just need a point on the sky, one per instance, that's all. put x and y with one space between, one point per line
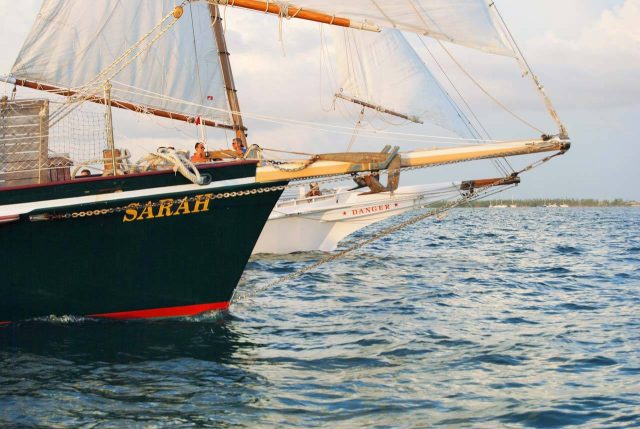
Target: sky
586 53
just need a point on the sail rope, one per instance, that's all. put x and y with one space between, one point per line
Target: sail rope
486 92
495 100
339 129
528 71
174 159
356 128
470 126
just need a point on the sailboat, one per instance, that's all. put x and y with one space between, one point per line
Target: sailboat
165 237
383 75
320 222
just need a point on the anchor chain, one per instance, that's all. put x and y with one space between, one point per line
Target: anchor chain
111 210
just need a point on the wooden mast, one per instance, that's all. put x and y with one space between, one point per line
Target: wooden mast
227 74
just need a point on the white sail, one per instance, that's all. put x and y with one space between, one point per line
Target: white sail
72 41
466 22
384 70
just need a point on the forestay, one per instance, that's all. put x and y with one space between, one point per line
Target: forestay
465 22
71 42
384 70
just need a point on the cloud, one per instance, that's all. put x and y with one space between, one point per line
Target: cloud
600 67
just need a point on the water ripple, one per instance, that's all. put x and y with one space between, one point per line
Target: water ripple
490 318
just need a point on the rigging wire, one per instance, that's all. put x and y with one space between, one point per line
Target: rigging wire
470 126
316 125
487 134
491 97
355 130
527 68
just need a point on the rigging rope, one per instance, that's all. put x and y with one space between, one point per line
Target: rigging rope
336 129
527 69
181 164
491 97
464 117
356 128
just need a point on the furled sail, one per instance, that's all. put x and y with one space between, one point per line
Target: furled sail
73 41
382 69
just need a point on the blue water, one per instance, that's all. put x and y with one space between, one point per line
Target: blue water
489 318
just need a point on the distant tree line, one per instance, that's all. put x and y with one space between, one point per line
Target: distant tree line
571 202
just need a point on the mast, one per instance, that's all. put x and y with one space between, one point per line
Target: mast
227 74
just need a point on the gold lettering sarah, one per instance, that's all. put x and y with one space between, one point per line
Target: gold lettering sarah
167 207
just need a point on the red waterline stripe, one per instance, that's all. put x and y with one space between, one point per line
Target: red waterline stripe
185 310
10 218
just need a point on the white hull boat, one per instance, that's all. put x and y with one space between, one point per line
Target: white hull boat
320 222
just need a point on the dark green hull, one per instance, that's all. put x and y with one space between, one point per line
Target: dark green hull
140 256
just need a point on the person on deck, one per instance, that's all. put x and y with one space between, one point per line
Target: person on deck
85 172
238 147
199 156
314 190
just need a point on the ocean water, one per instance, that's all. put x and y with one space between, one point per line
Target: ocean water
488 318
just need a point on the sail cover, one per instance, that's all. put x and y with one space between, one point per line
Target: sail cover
465 22
73 41
384 70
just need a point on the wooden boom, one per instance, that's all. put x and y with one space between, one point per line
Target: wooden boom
120 104
377 108
419 158
297 12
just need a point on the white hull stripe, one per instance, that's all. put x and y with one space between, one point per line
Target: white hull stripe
24 208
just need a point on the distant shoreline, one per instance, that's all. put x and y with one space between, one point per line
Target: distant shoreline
554 203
